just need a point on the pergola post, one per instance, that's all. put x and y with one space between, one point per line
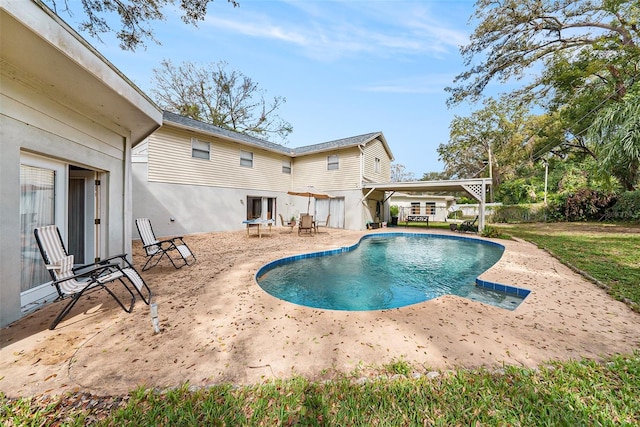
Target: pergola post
482 202
475 187
479 191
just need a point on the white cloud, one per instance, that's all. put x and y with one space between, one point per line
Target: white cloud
432 83
329 30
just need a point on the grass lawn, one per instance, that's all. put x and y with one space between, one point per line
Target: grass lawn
567 394
608 253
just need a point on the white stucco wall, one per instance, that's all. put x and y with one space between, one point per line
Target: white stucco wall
61 100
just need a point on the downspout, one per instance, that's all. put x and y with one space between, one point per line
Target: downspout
361 148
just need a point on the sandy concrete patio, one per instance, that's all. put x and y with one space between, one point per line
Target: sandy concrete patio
219 326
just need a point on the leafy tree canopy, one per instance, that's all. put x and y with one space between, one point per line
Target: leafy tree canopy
135 17
581 43
615 134
493 137
580 60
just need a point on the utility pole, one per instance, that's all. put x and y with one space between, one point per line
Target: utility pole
546 175
490 175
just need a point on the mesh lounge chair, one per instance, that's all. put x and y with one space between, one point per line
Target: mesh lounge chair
289 224
157 249
306 224
325 224
469 225
73 282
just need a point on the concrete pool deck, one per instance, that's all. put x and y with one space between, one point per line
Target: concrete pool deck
219 326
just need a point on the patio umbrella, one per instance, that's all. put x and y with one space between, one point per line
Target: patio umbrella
310 191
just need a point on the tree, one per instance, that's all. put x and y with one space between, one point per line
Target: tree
434 176
213 95
135 17
615 133
593 42
492 142
399 173
588 54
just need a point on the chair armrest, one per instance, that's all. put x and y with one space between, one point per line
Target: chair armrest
101 262
93 273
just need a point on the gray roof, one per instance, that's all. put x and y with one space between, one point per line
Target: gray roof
210 129
338 143
188 123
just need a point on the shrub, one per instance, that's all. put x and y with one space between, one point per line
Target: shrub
491 232
627 207
393 210
519 213
586 204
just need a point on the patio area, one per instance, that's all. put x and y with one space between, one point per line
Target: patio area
219 326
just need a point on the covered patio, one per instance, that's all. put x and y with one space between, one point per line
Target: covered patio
476 188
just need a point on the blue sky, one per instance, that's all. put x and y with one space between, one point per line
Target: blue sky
345 67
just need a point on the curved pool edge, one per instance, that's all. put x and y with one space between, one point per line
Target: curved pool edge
486 284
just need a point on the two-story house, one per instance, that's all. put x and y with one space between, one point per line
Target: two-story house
193 177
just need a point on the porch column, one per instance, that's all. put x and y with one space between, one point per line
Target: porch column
482 202
478 190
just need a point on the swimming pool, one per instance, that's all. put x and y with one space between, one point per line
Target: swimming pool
389 270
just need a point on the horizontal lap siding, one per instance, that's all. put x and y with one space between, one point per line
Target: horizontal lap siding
170 161
312 170
372 150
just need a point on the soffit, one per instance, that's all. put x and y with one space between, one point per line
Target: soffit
41 51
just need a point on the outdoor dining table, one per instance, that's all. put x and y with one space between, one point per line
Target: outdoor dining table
259 224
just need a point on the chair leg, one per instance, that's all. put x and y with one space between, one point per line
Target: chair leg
76 297
158 258
64 312
133 297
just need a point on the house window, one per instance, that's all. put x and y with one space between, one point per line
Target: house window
376 165
286 167
200 149
430 208
333 163
246 158
415 208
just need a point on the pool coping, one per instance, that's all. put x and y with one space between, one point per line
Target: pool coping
481 283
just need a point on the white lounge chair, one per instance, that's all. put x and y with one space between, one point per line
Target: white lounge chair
157 249
74 282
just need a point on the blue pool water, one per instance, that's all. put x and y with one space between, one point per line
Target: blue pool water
387 271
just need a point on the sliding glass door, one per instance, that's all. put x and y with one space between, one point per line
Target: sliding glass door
39 189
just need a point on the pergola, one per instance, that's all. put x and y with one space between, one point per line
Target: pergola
476 188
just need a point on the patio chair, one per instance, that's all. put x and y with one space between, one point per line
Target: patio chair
306 224
325 224
469 225
74 282
156 249
289 224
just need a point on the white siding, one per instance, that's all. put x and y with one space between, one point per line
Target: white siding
375 149
312 170
170 161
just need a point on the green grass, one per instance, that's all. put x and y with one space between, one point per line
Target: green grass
566 394
610 257
574 393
